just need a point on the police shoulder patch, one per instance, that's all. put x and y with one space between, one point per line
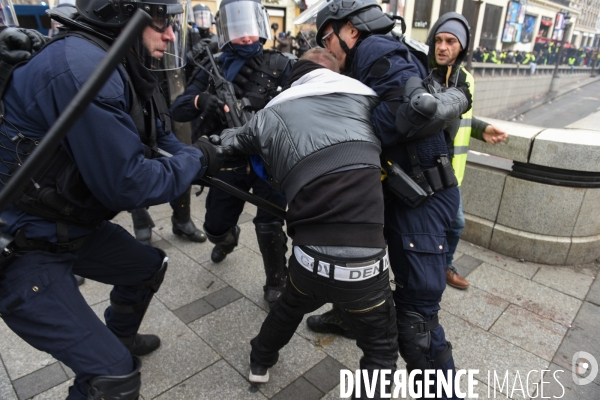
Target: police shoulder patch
380 67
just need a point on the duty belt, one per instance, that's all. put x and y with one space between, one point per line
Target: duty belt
340 273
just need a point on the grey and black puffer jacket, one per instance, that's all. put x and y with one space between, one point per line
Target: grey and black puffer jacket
321 124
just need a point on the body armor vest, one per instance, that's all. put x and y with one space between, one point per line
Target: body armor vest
58 192
260 77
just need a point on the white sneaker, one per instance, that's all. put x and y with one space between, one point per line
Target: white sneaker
258 374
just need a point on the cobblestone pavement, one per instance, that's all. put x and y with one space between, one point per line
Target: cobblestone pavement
516 316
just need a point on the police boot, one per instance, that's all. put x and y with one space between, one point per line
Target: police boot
272 243
142 225
331 322
182 221
124 387
140 345
224 243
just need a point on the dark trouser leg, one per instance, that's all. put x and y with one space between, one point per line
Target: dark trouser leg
376 335
222 213
272 243
113 256
142 225
271 240
41 303
368 305
281 323
224 244
417 245
456 227
182 220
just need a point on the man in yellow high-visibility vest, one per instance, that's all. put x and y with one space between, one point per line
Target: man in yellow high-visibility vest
448 72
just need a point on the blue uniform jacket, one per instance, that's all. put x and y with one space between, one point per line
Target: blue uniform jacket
372 49
104 142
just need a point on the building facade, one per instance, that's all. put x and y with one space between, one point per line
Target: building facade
508 24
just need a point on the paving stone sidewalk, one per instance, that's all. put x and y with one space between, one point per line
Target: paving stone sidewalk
516 317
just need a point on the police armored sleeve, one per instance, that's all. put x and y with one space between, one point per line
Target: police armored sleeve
423 114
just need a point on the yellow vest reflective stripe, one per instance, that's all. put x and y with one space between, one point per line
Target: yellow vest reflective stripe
463 137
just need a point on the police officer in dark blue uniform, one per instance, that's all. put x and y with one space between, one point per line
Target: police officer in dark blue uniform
409 122
59 223
258 75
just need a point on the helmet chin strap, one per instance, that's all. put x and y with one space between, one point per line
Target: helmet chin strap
350 52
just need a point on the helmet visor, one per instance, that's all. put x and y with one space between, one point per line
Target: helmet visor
242 19
7 14
162 45
203 19
307 22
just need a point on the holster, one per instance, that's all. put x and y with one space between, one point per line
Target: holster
403 187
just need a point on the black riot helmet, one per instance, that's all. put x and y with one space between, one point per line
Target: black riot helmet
168 20
365 15
203 17
240 18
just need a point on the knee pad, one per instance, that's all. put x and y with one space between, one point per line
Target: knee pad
414 338
124 387
153 284
228 239
157 279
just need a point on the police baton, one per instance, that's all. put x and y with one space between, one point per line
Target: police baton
50 142
239 193
250 198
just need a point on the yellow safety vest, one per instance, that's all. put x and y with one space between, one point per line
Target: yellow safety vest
463 137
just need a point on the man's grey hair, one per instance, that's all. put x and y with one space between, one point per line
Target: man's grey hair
322 57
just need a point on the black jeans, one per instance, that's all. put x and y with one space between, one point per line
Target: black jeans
367 305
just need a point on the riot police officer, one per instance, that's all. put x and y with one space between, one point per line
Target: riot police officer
59 223
258 75
415 229
203 20
173 83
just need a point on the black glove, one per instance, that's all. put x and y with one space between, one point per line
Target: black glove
19 44
214 156
215 139
209 104
463 86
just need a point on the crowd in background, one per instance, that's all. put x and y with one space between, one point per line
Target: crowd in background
543 54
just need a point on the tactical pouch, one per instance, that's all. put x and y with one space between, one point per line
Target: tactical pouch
447 172
441 176
403 187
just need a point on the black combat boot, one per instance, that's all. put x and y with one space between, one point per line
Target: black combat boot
331 322
224 243
182 221
140 345
272 243
142 225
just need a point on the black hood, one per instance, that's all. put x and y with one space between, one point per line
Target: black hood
431 38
